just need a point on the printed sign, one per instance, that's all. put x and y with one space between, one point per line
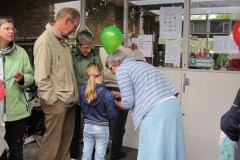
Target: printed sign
201 62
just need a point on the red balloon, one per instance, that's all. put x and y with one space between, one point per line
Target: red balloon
236 33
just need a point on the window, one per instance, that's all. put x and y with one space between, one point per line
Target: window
191 28
225 27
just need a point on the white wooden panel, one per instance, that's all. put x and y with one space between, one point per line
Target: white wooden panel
130 138
175 77
205 100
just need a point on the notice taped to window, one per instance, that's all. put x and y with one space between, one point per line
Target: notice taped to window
145 45
172 51
170 22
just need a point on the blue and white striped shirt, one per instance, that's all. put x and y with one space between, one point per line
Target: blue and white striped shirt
142 86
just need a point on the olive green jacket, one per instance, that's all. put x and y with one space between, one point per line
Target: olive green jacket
54 73
80 63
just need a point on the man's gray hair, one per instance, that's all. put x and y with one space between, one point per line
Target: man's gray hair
72 13
116 56
84 37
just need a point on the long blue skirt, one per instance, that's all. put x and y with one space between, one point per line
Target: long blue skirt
161 134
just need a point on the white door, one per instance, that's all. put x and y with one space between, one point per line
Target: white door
208 96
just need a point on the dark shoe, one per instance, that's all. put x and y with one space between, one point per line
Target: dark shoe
107 150
118 156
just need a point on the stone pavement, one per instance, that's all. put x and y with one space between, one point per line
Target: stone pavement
30 152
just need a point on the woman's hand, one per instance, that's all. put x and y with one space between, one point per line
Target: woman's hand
2 81
116 94
18 76
119 105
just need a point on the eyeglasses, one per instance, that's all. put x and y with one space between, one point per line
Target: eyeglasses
8 29
75 26
85 47
110 68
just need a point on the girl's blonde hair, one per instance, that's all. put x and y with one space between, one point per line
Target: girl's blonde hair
93 70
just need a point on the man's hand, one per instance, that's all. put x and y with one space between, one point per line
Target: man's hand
133 46
116 94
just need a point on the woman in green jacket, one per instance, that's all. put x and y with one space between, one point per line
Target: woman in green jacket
14 62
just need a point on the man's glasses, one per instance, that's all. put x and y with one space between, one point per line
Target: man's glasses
75 26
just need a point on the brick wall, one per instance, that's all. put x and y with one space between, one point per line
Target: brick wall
16 9
36 17
31 17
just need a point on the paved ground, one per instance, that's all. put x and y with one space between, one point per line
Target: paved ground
31 150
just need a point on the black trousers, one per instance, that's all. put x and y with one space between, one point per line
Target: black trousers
74 146
119 127
14 138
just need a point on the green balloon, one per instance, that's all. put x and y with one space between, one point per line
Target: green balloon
111 39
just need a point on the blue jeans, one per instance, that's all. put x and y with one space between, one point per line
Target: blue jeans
95 135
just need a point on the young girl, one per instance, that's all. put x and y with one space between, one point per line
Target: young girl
98 108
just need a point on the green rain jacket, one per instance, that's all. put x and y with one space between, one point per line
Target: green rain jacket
15 104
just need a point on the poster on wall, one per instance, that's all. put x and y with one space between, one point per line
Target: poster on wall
145 45
172 51
233 48
134 40
170 22
224 44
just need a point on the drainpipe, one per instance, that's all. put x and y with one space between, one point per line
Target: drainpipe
186 33
83 15
125 22
208 33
